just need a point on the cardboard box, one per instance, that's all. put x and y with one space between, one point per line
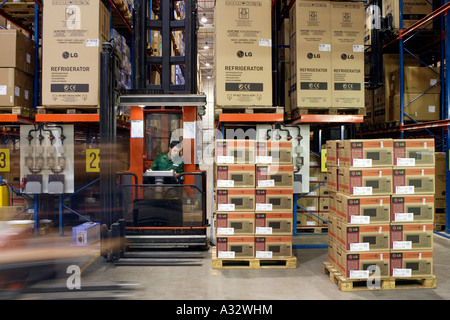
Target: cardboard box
16 88
332 179
368 105
310 203
332 250
274 176
267 247
414 209
363 209
381 108
308 220
347 54
365 181
439 216
235 151
332 153
333 202
319 189
324 204
231 247
243 53
416 80
413 10
273 223
316 175
405 264
86 234
310 49
425 108
411 236
363 265
440 178
360 238
72 38
414 152
235 200
276 200
366 153
18 51
235 176
235 223
273 152
408 180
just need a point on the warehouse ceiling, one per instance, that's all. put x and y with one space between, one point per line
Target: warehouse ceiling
205 37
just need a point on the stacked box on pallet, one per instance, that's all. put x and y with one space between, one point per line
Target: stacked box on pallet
253 202
16 69
440 188
383 206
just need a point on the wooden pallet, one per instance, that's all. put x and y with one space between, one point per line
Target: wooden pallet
22 111
67 109
22 11
389 283
328 111
247 109
253 263
312 229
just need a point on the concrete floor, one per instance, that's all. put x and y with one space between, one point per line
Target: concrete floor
306 282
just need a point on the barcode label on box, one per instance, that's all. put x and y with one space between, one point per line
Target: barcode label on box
226 207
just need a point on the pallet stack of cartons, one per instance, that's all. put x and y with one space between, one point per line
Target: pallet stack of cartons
381 207
253 202
439 196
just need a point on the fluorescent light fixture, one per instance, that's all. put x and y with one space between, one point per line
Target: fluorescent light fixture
207 64
204 18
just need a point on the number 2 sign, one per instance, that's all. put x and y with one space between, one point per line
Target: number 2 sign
93 160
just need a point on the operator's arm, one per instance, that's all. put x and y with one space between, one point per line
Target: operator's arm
155 164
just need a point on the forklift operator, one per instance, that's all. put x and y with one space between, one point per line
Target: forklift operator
170 160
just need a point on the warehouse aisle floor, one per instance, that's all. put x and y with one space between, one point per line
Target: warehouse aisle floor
306 282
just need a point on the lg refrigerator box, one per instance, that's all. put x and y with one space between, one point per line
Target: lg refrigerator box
359 238
274 176
347 54
16 88
86 234
243 53
237 151
310 49
235 223
18 51
414 152
273 223
411 236
405 264
412 11
365 181
276 200
366 153
408 180
72 36
363 265
424 108
273 152
235 176
235 200
267 247
230 247
363 209
412 209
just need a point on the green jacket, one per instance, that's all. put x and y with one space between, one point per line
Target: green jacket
163 163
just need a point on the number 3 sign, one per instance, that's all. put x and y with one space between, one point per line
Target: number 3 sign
4 160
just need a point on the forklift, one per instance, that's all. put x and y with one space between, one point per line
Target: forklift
149 216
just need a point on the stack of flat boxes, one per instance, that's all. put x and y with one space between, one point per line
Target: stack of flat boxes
381 206
253 201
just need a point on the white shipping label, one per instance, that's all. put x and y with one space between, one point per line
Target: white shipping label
362 191
26 94
225 183
263 159
226 207
431 109
265 42
404 217
325 47
266 183
263 230
226 254
3 90
360 219
313 178
311 208
225 159
406 162
401 272
263 207
358 48
28 58
433 82
359 274
264 254
367 163
17 91
92 42
402 245
404 189
137 129
361 246
311 223
228 231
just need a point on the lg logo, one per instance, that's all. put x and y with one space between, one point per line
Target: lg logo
313 55
347 56
242 54
67 55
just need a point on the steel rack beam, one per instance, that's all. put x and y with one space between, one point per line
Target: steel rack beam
158 100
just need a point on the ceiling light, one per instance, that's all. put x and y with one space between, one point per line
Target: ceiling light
206 46
207 64
204 18
209 77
